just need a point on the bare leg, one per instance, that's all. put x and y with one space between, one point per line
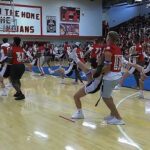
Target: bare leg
126 74
77 96
113 110
141 85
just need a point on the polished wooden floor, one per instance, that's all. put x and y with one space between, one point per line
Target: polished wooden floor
35 123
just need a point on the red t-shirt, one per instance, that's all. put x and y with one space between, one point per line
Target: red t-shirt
80 54
17 55
116 57
66 47
140 52
97 49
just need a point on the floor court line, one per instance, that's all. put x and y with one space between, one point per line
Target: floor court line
130 141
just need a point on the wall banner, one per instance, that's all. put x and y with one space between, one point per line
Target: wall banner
23 20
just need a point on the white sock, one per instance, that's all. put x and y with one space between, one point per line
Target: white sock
141 92
62 80
51 71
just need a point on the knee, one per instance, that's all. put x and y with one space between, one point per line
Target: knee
141 80
107 98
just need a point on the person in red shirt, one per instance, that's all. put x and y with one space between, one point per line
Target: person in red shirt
140 58
17 68
95 49
66 48
108 72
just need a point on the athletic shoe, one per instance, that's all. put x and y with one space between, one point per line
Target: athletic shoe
50 71
4 92
62 81
141 96
78 115
115 121
33 73
9 85
42 74
108 118
20 97
117 87
16 94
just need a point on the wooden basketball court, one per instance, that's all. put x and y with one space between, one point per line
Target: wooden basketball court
42 120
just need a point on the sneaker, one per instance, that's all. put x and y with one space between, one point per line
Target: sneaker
78 115
9 85
42 74
4 92
50 71
141 96
62 81
16 94
108 118
118 87
33 73
115 121
20 97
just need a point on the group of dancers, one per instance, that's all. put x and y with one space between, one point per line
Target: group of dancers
104 74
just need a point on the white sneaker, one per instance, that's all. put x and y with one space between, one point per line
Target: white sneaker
62 81
78 115
117 87
141 96
50 71
42 74
33 73
115 121
4 92
108 118
9 85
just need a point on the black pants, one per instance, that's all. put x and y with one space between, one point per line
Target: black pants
17 70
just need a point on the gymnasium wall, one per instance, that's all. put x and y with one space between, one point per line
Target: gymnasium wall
118 14
90 14
144 10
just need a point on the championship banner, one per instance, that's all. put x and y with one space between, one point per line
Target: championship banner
20 19
69 29
51 24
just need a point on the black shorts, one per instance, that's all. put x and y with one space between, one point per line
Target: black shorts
94 85
7 72
17 71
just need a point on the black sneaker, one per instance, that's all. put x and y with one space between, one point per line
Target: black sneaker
20 97
17 94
